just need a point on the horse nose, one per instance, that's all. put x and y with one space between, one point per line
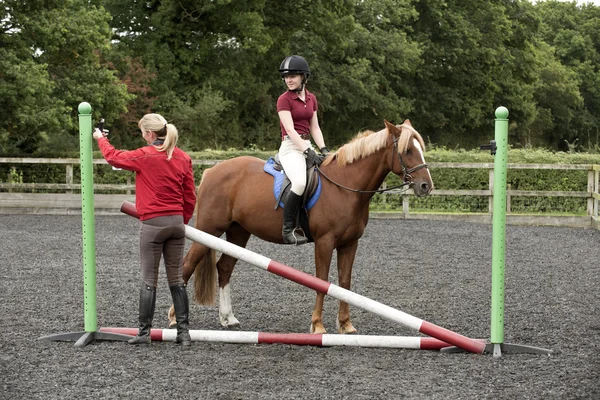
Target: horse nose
426 188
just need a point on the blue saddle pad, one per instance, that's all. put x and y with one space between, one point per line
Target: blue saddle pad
280 178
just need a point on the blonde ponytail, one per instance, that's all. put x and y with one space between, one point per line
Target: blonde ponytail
168 132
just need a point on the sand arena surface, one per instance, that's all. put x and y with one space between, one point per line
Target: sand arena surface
437 271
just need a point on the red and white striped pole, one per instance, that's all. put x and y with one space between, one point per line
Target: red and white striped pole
321 286
299 339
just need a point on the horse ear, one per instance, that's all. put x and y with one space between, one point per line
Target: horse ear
391 128
407 122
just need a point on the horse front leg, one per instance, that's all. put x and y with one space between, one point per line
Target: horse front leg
345 261
323 254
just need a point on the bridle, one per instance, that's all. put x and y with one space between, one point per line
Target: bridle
405 172
407 178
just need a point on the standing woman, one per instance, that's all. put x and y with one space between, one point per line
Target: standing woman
165 197
297 109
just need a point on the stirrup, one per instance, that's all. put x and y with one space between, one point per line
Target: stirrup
298 239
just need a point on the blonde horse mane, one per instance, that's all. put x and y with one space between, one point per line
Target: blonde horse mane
368 142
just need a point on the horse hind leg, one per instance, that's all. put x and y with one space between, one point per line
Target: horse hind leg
201 257
238 236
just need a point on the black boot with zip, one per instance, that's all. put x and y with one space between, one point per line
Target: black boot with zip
146 315
182 310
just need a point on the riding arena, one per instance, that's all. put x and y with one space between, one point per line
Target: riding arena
423 294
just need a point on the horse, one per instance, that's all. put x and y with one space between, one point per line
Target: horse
235 198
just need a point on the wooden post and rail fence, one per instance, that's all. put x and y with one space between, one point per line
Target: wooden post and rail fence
22 198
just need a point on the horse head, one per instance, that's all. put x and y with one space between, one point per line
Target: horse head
407 158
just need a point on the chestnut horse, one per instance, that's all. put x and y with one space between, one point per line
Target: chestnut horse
235 197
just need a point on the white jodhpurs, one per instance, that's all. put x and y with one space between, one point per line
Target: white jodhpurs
294 164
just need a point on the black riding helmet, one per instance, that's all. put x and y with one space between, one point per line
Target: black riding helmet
295 65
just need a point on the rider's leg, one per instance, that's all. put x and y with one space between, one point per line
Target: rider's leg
294 164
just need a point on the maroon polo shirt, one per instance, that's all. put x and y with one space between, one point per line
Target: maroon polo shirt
302 112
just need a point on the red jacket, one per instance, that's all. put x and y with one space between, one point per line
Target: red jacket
162 187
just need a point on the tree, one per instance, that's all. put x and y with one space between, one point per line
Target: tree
53 49
573 104
366 64
204 57
27 111
216 63
476 56
210 67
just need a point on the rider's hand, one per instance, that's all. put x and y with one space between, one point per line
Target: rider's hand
311 157
324 150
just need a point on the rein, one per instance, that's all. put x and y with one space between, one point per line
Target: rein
406 172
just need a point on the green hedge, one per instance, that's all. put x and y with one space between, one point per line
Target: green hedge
443 178
478 179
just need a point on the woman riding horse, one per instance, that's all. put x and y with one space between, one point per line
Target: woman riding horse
297 109
235 198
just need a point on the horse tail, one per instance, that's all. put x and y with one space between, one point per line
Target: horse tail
205 281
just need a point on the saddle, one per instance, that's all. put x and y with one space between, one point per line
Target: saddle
282 187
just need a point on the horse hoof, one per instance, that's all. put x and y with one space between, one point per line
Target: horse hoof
230 322
319 330
171 317
347 329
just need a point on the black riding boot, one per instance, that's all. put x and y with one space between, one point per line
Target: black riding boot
290 212
182 310
146 314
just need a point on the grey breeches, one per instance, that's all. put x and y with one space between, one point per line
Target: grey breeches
162 237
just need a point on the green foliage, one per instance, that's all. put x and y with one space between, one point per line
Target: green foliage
573 32
464 44
51 52
210 67
198 119
517 179
27 112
